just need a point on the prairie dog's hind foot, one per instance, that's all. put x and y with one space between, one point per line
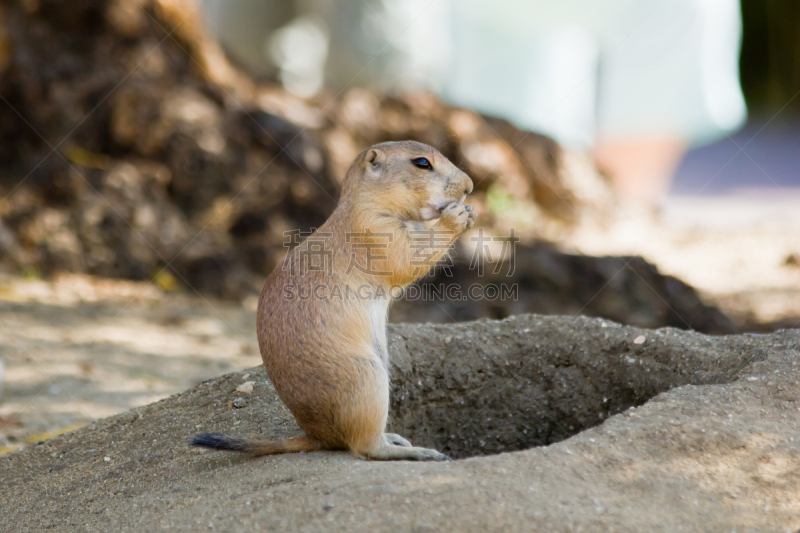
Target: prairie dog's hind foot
394 452
394 438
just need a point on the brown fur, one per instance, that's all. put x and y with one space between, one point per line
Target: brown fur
327 357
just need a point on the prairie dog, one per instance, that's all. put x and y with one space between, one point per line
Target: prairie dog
327 355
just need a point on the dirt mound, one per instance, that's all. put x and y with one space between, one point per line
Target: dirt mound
713 449
132 149
130 145
547 281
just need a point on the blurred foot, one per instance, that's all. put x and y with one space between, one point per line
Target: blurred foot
9 421
640 171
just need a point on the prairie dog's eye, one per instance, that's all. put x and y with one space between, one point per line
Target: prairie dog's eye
422 162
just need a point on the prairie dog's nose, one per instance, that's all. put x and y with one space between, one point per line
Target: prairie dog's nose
467 184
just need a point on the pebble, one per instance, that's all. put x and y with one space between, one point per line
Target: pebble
107 459
639 340
247 386
239 403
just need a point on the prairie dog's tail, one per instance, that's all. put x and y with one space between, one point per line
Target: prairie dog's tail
217 441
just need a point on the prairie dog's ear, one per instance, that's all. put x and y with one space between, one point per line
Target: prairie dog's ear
376 158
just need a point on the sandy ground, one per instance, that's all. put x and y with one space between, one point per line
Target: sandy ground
77 348
715 449
741 251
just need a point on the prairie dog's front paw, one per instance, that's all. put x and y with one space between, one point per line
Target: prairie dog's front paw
457 217
471 216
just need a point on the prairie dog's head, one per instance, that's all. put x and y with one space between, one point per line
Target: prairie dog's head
409 179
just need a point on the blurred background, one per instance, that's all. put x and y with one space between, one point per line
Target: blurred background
154 153
590 74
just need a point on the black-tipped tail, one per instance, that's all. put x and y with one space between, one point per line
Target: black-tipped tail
217 441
